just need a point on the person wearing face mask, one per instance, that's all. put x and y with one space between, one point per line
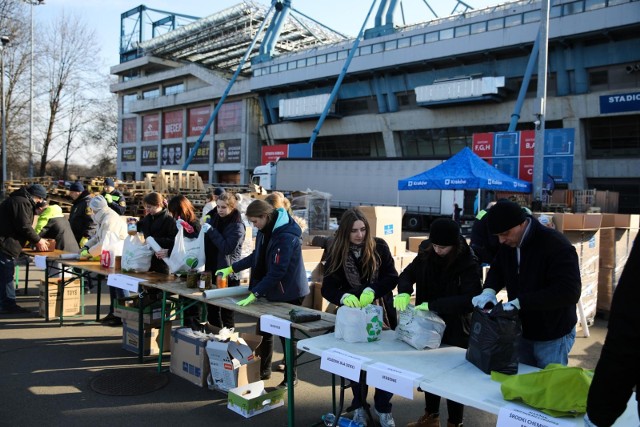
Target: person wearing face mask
359 270
107 220
223 246
159 224
16 213
446 275
80 216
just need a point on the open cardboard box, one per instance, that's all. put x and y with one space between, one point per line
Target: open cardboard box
253 399
233 363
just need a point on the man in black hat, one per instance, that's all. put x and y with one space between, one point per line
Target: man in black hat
16 228
539 267
115 199
80 217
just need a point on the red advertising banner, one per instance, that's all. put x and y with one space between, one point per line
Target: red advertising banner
272 153
172 124
129 130
483 145
150 128
229 117
527 142
525 171
198 117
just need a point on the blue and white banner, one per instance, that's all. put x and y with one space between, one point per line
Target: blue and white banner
620 102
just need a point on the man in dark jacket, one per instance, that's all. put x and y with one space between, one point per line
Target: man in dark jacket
80 217
115 199
539 267
484 244
16 228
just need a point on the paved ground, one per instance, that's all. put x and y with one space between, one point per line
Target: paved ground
47 371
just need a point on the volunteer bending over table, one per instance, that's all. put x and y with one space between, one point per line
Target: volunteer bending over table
447 276
277 269
159 224
359 270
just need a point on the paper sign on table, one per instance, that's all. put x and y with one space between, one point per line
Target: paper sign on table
40 261
122 281
391 379
342 363
275 325
517 416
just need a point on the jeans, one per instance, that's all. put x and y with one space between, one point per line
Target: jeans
7 285
381 398
541 353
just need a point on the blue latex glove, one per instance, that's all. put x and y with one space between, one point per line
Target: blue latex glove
487 296
224 271
401 301
424 306
511 305
367 298
206 227
351 300
108 198
248 300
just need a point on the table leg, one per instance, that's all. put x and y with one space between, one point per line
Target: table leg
163 313
46 292
99 278
141 328
289 362
61 289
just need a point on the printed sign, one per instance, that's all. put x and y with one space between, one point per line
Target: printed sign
342 363
228 151
229 117
122 281
272 153
198 118
172 124
150 128
518 416
202 155
483 145
149 156
391 379
275 325
128 154
620 102
129 130
171 154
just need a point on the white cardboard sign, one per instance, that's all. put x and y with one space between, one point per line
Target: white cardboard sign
40 261
391 379
517 416
275 325
342 363
122 281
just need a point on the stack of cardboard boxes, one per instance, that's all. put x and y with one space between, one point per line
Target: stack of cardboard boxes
129 312
68 306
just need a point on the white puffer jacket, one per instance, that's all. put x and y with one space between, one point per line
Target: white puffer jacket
106 220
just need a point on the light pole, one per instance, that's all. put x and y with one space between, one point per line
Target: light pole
5 40
31 3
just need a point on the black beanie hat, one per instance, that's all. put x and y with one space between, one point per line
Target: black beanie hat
444 232
37 190
505 215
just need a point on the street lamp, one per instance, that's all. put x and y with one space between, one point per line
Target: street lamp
31 3
5 41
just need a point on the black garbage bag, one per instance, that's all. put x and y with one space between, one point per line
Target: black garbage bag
493 340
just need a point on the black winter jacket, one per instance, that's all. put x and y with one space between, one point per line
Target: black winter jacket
547 282
59 229
80 217
448 290
16 223
223 242
162 227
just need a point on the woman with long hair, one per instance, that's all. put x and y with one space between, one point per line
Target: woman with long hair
159 224
358 271
447 275
223 246
277 268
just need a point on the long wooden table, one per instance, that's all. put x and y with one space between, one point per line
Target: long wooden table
256 310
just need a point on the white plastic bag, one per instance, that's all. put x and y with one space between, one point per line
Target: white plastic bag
359 324
136 254
187 254
420 329
111 248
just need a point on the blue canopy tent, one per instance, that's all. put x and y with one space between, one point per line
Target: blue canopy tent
464 171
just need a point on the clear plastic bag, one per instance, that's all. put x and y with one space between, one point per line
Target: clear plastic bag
419 328
359 324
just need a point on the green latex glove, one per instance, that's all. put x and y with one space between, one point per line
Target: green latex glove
248 300
83 241
424 306
351 301
108 198
85 254
366 298
401 301
225 271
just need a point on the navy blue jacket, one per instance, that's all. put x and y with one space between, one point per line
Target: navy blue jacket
547 283
223 242
80 217
285 278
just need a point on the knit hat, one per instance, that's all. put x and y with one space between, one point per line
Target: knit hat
109 182
37 190
505 215
98 203
444 232
218 191
77 186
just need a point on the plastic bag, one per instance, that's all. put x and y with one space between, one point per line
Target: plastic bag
493 341
111 248
187 254
420 329
359 324
136 254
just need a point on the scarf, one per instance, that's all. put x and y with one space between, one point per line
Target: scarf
352 267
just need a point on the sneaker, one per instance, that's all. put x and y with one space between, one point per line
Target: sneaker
108 318
386 419
360 417
285 386
115 321
14 309
281 366
265 375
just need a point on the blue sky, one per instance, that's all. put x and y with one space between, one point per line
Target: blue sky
345 16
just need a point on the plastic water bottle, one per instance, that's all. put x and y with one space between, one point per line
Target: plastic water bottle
329 419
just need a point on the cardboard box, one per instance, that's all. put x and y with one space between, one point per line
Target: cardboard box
580 221
189 358
308 300
311 254
385 222
627 221
151 345
253 399
72 293
233 363
151 313
414 242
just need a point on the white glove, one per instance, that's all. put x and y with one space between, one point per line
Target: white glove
488 295
206 227
511 305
